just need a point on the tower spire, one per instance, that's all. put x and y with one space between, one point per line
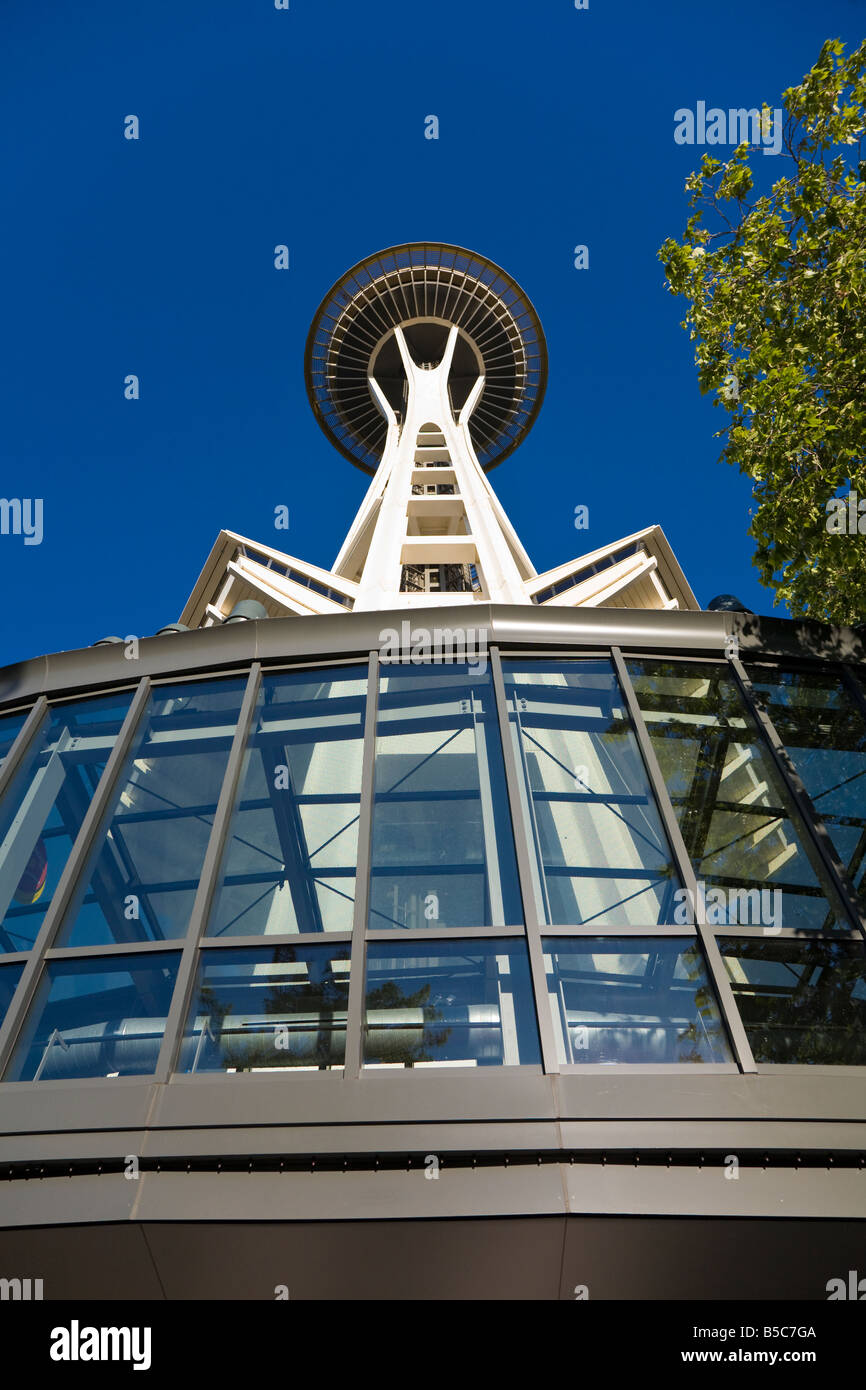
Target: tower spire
433 534
426 366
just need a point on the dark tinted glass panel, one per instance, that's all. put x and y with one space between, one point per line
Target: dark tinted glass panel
734 810
800 1001
824 731
9 977
141 882
443 853
632 1001
42 812
293 846
268 1010
101 1017
462 1004
10 727
601 854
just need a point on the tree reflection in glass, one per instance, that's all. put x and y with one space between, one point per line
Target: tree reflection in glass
800 1002
735 813
824 731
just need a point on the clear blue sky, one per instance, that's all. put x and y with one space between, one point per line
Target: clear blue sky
306 127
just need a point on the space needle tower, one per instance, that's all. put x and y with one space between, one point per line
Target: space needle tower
426 366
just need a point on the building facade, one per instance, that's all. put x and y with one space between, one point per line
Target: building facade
427 927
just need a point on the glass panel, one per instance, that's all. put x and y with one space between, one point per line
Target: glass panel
452 1003
740 828
443 854
800 1001
142 878
282 1009
96 1018
824 731
292 851
9 977
10 727
632 1000
42 812
601 854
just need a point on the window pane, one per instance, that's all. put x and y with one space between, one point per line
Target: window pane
601 854
824 731
9 977
96 1018
740 828
42 812
800 1001
443 854
10 727
292 850
632 1001
266 1010
141 881
450 1003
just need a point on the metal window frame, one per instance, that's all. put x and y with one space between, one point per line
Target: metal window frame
812 823
800 803
172 1039
524 851
350 640
22 743
75 865
355 1011
715 965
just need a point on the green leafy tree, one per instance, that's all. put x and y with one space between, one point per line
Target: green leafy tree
776 284
392 1048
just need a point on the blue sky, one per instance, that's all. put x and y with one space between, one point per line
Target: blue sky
306 127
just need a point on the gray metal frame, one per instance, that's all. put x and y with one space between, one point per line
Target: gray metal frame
204 897
355 1012
75 865
809 815
266 647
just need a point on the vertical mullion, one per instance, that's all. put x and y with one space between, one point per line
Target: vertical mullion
549 1050
21 744
358 965
855 690
685 869
211 865
527 803
813 824
853 687
75 865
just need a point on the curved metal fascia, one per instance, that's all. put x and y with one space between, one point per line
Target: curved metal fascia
351 636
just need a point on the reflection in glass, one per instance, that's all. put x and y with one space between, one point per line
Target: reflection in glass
824 731
800 1001
10 727
601 853
42 811
9 977
142 879
451 1003
443 854
633 1001
734 810
292 851
268 1010
102 1017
